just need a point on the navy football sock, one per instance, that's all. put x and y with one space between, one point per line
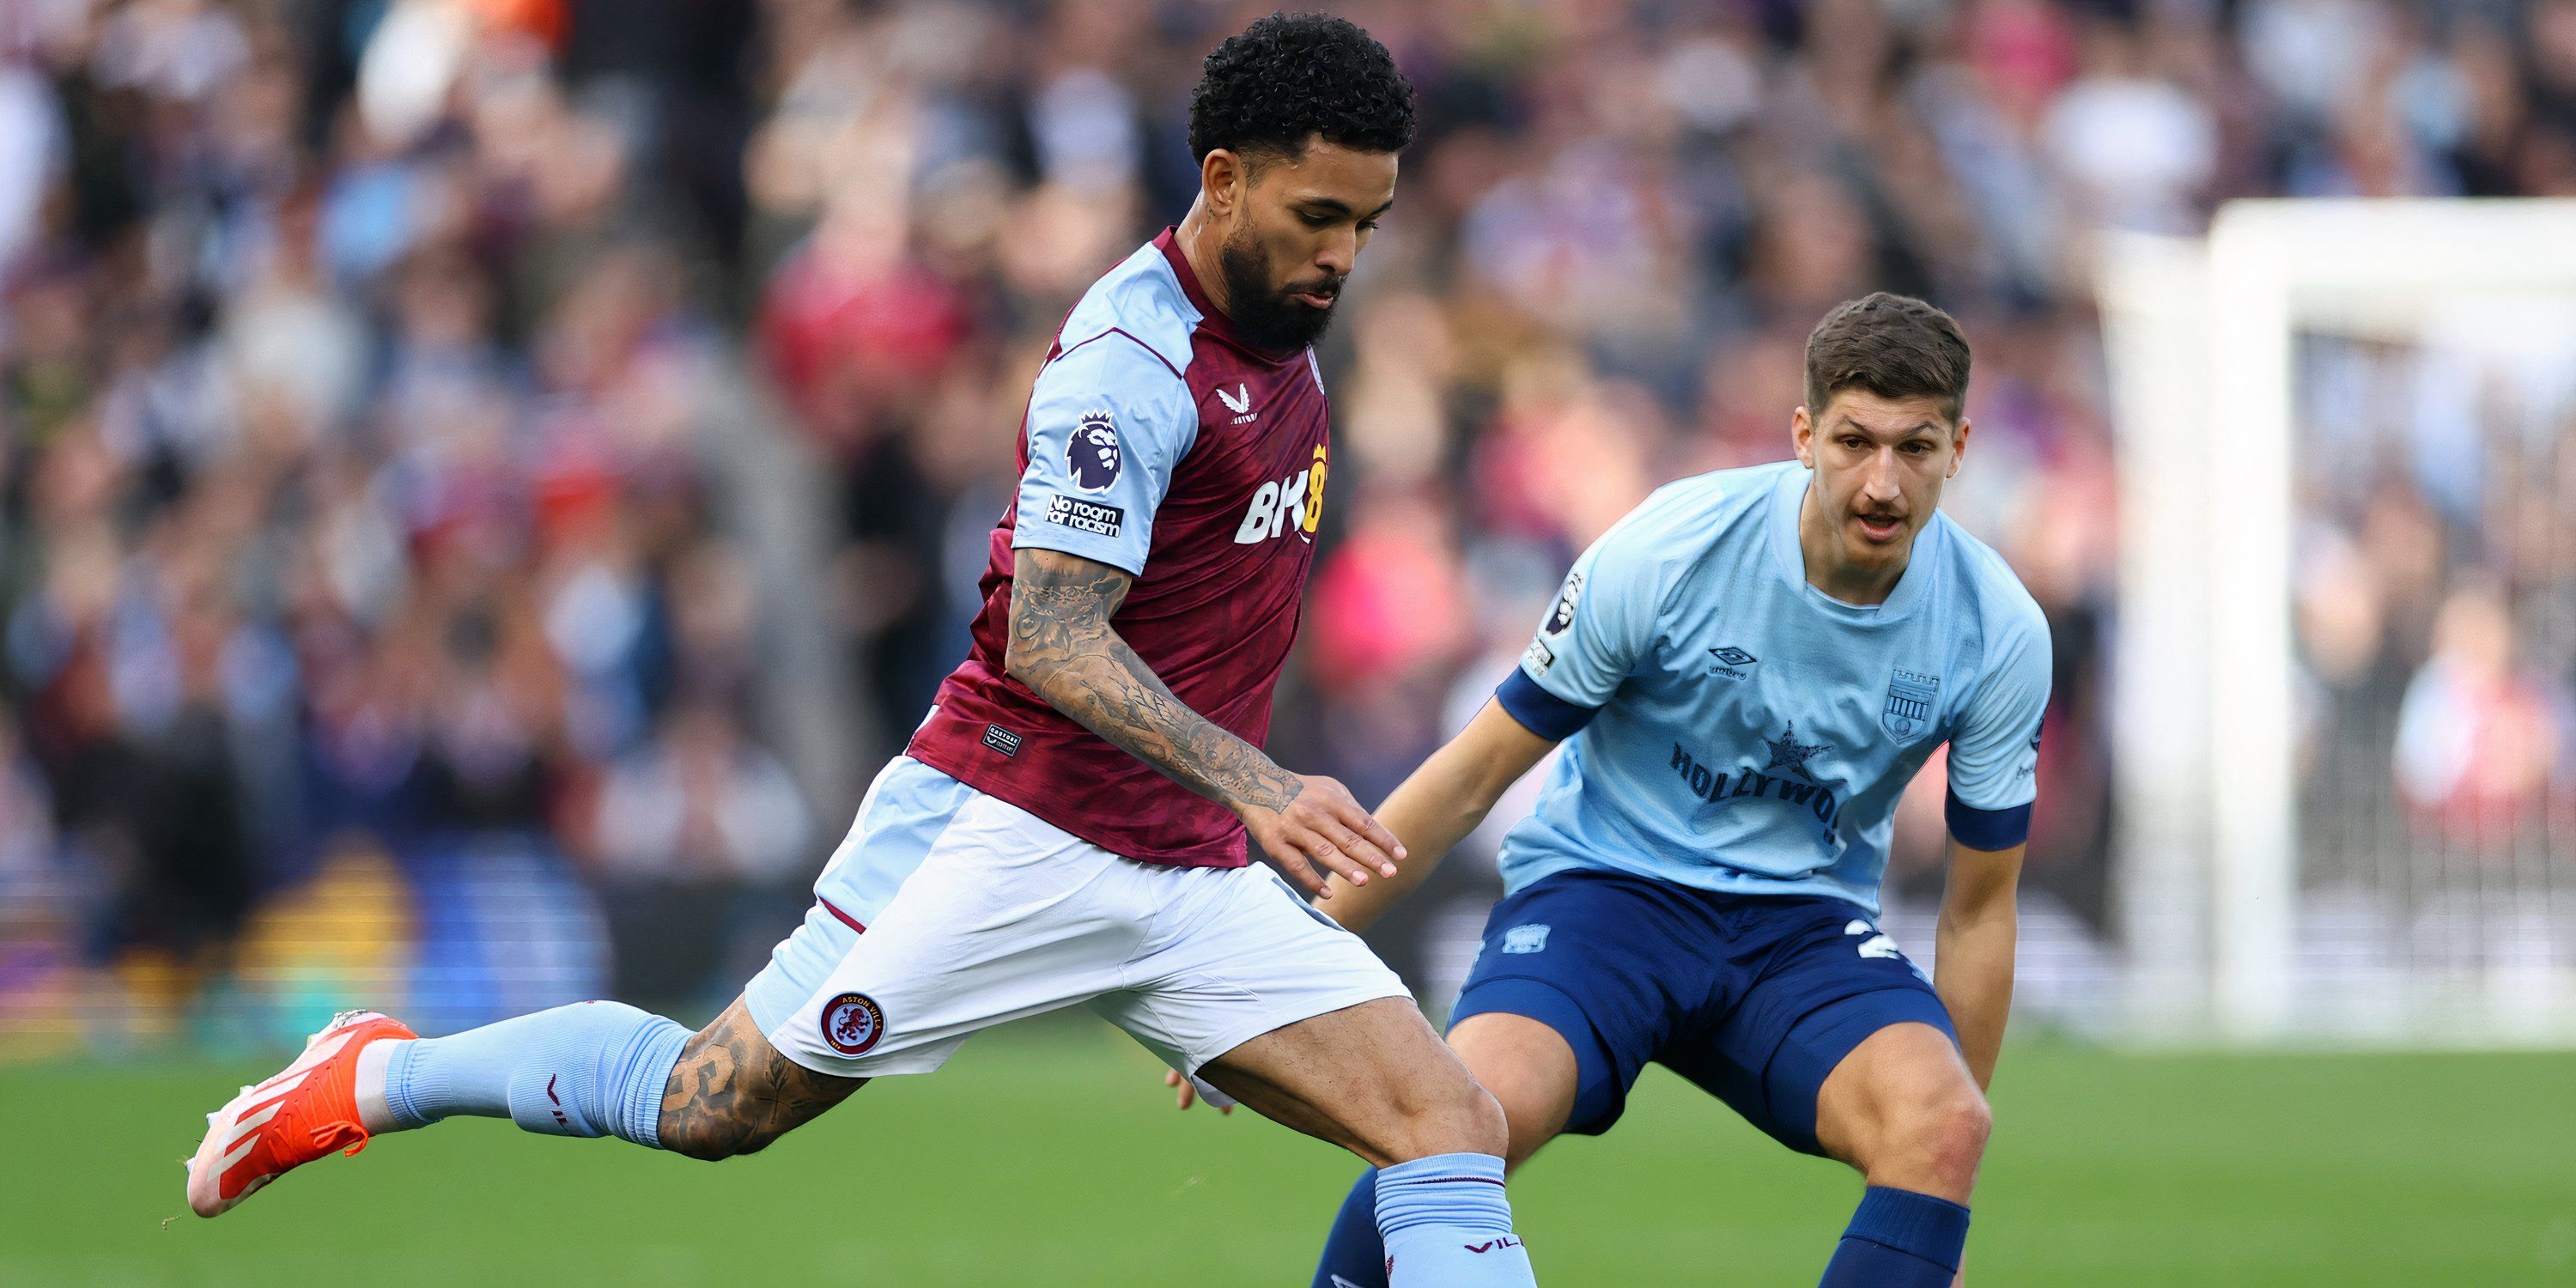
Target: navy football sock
1354 1255
1899 1239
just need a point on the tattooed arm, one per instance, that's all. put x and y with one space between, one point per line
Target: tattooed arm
1063 647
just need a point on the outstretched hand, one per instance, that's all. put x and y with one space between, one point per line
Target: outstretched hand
1321 830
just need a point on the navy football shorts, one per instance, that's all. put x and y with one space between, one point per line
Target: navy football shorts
1753 997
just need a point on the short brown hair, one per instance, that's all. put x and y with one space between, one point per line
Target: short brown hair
1894 346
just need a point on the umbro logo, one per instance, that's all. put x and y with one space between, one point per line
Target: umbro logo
1239 402
1729 662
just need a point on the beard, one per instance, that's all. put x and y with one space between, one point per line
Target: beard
1264 314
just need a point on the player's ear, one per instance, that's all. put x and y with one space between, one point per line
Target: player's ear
1802 436
1958 447
1221 177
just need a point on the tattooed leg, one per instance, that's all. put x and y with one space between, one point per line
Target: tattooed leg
733 1093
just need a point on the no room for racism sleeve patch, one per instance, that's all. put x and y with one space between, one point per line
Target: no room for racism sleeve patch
1086 516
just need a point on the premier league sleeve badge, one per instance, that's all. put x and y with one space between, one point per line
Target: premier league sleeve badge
1092 456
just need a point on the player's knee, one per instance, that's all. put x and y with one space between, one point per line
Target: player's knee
1463 1119
1530 1071
1477 1124
714 1137
691 1136
1944 1134
1488 1128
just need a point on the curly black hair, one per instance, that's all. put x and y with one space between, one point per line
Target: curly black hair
1290 77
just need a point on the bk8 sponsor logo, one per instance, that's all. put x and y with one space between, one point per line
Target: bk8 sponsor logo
1294 504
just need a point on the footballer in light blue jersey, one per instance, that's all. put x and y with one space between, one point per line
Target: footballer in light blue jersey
1744 674
1730 727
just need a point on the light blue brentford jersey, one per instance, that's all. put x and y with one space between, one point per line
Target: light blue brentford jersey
1728 726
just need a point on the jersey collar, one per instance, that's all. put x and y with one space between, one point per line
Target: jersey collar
1787 495
1212 319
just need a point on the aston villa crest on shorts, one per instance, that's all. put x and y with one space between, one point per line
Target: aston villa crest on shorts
1910 696
852 1023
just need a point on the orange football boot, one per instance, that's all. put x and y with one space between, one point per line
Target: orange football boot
308 1110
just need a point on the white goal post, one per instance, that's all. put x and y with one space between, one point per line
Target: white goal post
2202 340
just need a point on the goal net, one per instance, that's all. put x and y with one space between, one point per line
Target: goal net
2346 676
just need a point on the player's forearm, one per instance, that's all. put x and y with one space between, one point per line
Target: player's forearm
1974 977
1440 803
1106 688
1434 809
1064 649
1974 968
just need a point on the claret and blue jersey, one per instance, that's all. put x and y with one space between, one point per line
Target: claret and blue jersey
1729 727
1160 442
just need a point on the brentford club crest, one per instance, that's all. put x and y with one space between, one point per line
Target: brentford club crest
1910 695
852 1023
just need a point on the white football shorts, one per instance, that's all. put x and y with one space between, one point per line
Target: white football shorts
946 911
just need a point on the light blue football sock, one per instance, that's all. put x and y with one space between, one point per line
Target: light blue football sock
591 1069
1447 1225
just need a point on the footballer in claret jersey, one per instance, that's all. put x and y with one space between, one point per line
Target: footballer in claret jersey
1074 820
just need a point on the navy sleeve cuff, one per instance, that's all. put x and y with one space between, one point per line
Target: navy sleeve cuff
1539 711
1988 829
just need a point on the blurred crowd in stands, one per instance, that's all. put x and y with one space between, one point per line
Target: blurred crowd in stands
2436 567
392 594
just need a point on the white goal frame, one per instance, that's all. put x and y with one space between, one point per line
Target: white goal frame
2199 337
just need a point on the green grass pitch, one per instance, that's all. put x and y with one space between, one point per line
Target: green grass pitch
1051 1156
